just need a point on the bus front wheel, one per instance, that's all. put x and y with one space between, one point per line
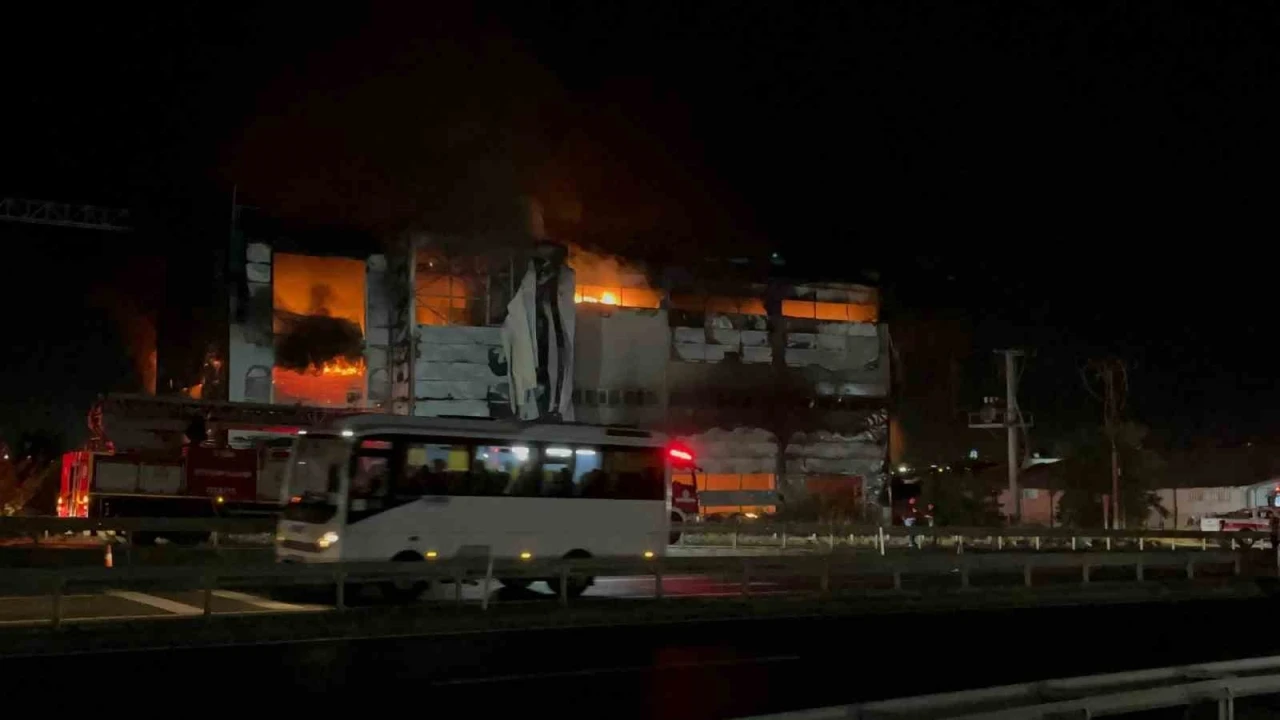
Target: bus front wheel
576 584
406 590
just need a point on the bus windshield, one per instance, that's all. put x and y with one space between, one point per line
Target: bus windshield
313 478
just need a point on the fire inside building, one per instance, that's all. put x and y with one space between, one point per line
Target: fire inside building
780 388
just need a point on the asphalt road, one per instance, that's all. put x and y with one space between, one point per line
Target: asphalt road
678 670
108 604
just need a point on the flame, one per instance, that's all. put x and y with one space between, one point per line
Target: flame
341 367
605 280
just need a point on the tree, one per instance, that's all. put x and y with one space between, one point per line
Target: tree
963 494
1085 475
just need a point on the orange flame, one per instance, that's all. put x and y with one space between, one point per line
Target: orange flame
340 367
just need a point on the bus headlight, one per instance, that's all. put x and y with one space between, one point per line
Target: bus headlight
327 539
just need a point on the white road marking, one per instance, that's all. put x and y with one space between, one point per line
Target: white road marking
266 603
154 601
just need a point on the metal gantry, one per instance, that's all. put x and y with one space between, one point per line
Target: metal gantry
44 212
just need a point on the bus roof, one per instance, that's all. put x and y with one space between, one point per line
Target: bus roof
514 430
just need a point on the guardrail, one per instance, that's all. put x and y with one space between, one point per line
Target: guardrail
818 574
880 537
1220 684
759 533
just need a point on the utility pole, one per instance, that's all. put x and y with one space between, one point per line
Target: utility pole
1013 421
1113 379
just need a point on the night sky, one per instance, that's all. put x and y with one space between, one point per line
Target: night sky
1080 180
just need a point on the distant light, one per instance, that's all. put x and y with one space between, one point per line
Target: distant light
431 554
750 516
559 452
526 555
302 432
327 539
220 500
648 554
348 433
903 468
521 452
585 452
973 454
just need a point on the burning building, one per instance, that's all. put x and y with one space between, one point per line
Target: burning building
780 388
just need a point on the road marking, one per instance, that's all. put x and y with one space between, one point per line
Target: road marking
266 603
154 601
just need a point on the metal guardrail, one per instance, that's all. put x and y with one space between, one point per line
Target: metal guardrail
38 526
818 570
1220 684
832 532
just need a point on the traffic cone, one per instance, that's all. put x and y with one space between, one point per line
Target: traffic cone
107 560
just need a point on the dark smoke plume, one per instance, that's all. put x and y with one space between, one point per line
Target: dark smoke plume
305 342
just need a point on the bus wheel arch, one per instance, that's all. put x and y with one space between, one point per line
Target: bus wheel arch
577 584
404 590
677 518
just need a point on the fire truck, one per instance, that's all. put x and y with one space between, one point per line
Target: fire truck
143 461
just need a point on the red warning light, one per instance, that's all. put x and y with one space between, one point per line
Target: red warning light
680 455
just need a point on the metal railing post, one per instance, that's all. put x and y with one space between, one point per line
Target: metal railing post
208 594
959 544
1108 542
897 579
56 620
1191 569
880 538
1139 572
999 542
1084 574
1073 543
1026 574
1037 542
784 537
1141 544
488 579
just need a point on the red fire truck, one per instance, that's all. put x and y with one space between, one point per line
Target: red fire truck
139 465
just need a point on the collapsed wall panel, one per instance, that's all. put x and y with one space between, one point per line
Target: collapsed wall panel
620 362
460 370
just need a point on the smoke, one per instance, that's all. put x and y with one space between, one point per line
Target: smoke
306 342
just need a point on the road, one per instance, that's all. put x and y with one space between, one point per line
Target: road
115 604
679 670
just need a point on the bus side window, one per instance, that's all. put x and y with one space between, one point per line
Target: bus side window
434 469
589 479
503 467
557 471
635 473
369 479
